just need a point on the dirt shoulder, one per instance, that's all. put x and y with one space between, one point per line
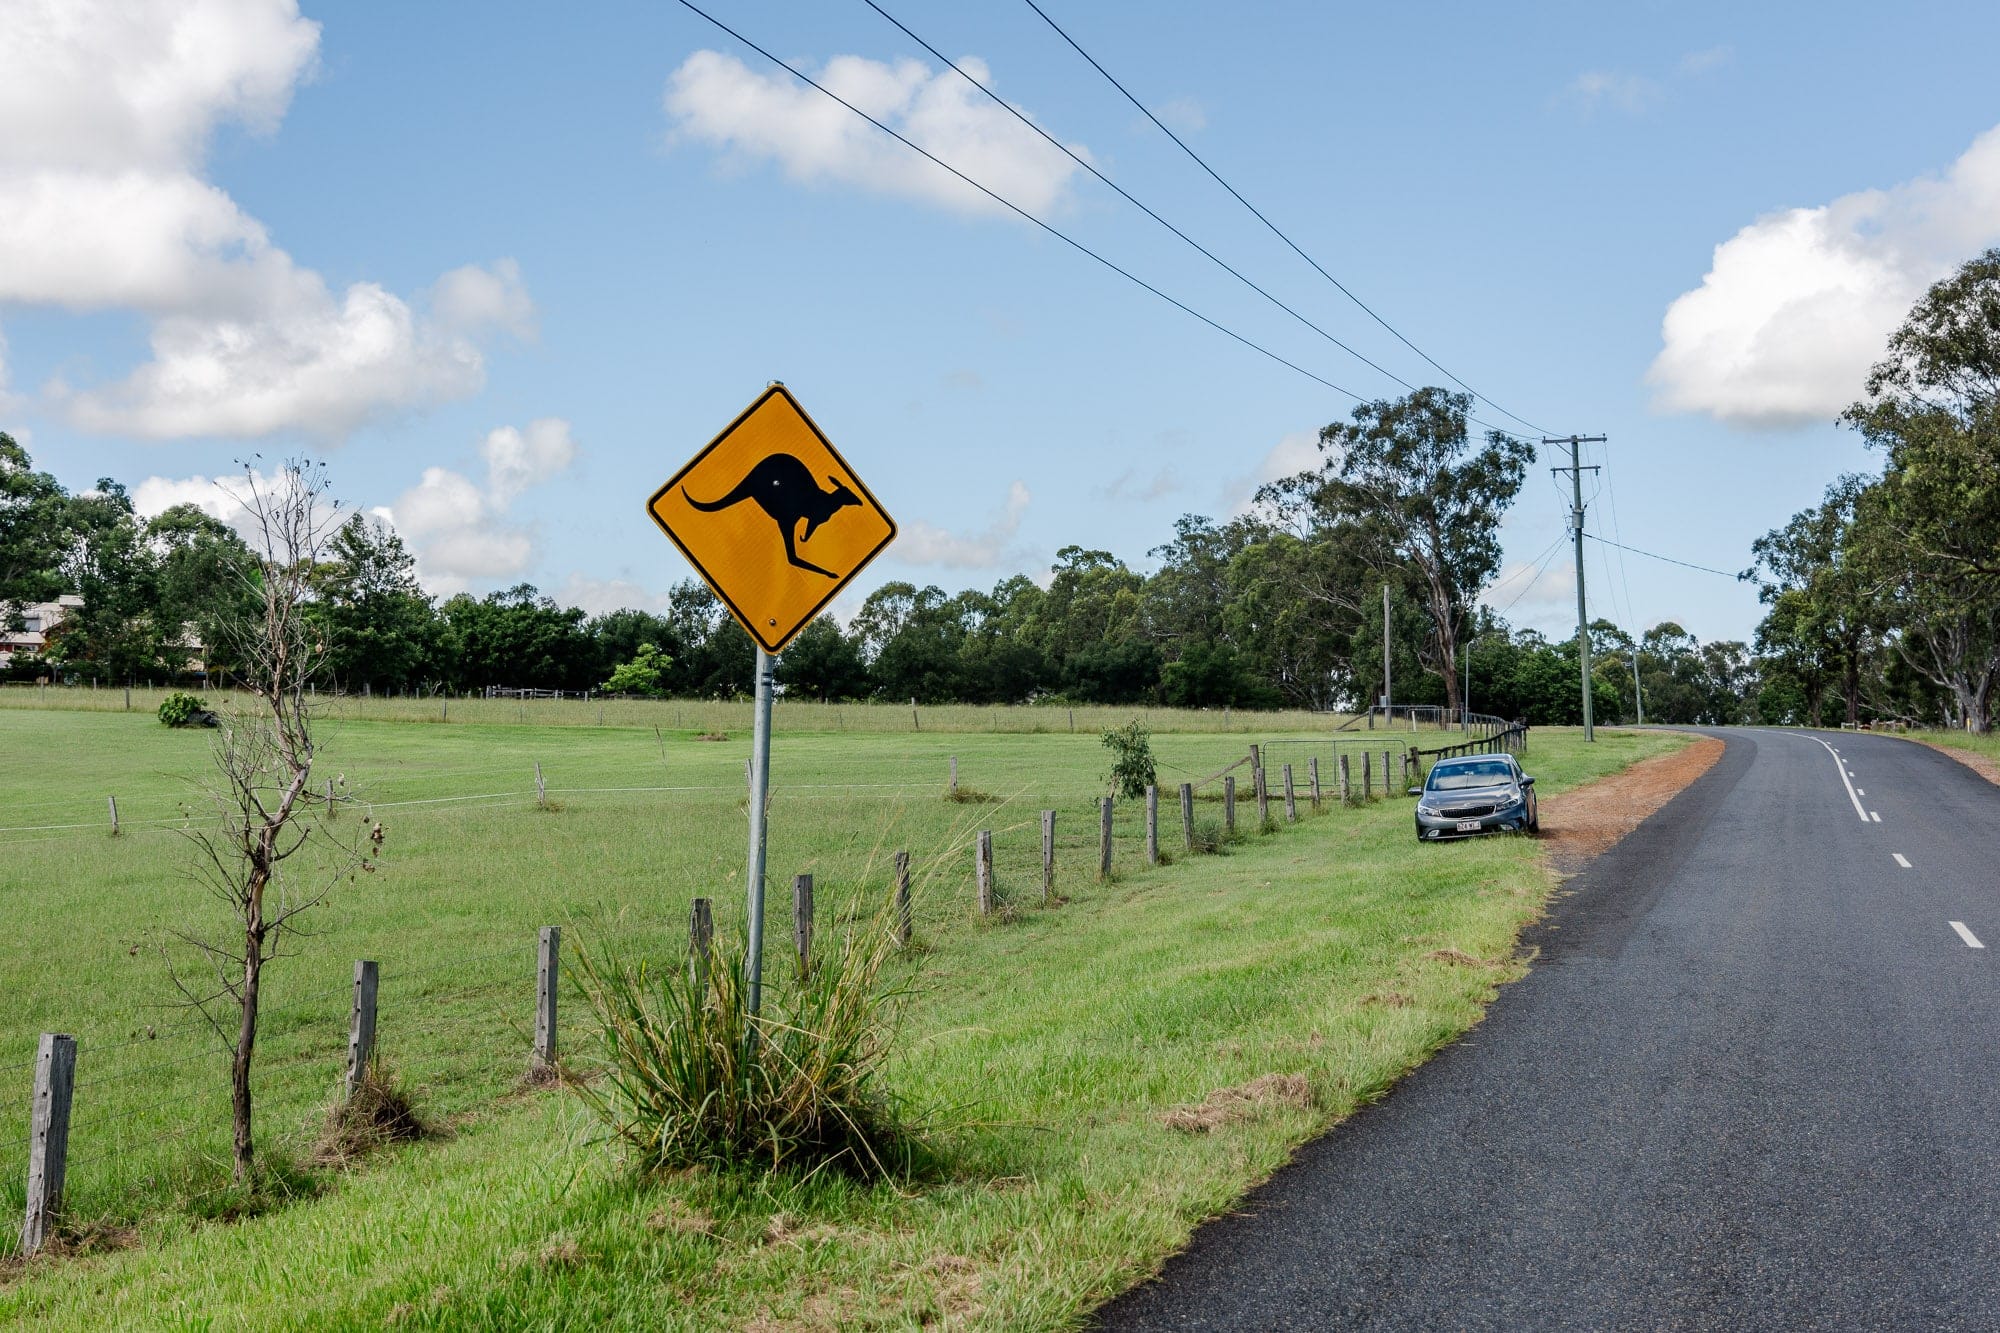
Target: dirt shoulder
1981 764
1580 824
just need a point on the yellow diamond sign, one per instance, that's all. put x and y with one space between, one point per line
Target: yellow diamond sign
772 518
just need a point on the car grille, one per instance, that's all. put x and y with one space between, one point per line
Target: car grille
1468 811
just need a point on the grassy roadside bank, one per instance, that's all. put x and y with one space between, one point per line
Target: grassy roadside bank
1984 748
1059 1041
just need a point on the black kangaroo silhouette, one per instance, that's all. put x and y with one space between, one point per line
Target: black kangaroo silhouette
784 488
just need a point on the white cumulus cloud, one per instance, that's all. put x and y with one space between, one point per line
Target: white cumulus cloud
106 111
598 596
225 499
921 543
1292 454
715 99
1797 305
458 529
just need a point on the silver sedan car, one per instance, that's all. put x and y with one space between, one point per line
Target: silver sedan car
1480 793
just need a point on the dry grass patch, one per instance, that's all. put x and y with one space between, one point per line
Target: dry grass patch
678 1219
379 1112
1227 1105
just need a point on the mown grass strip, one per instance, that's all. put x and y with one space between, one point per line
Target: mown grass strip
1054 1048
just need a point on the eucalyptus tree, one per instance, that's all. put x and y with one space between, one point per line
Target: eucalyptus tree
1405 475
1930 529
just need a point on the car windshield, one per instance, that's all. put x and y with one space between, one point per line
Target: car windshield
1473 773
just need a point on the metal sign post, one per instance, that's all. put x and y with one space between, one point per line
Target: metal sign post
760 786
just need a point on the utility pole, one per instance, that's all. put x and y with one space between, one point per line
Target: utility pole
1576 471
1638 696
1386 700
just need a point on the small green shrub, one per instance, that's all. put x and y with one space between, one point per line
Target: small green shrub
692 1079
1132 768
181 709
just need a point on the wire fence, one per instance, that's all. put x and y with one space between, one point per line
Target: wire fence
150 1123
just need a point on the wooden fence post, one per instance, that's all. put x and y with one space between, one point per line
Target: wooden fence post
802 920
902 898
1386 792
983 870
1229 805
954 773
48 1137
1187 816
1152 826
1072 722
1312 773
915 725
1291 800
547 959
361 1023
1104 839
1367 776
701 935
1346 785
114 814
1256 758
1263 799
1048 856
541 788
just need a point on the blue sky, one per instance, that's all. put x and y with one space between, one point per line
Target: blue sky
505 266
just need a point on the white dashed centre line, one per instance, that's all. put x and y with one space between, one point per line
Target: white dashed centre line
1875 817
1971 940
1901 860
1841 764
1859 792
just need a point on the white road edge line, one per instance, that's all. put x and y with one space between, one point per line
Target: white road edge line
1901 860
1971 940
1859 813
1874 817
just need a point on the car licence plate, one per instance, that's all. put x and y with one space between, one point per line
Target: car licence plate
1468 826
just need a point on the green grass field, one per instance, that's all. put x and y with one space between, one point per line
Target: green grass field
1045 1044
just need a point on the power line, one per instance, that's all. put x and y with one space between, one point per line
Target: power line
1548 556
1012 207
1127 195
1275 231
1611 495
1654 555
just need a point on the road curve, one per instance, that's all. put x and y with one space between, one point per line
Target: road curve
1751 1082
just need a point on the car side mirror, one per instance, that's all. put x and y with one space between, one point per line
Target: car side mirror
1416 791
1527 781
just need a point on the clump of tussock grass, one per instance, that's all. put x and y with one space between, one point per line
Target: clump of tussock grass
1208 838
691 1079
379 1112
970 796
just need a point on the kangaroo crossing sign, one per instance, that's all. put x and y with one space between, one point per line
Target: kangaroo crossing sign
772 518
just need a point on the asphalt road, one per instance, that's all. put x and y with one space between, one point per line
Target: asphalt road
1752 1082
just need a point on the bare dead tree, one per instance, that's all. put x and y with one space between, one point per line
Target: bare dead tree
261 787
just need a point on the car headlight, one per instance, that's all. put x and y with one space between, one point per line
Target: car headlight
1426 809
1512 801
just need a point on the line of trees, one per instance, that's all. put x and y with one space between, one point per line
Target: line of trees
1884 599
1278 608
